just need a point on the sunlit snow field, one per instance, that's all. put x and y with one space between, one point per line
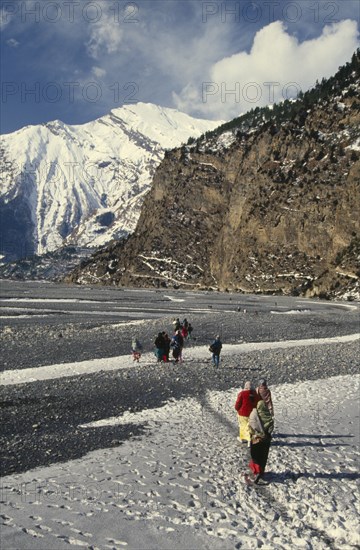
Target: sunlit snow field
180 485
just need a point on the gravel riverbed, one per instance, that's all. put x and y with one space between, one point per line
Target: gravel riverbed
37 345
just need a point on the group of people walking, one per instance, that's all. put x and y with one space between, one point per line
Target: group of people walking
184 327
256 424
164 344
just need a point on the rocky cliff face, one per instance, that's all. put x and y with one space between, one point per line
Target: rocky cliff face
271 206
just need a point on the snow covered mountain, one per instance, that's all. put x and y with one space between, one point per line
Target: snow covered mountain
83 185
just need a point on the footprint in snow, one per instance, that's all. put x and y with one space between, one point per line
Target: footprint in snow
31 532
43 528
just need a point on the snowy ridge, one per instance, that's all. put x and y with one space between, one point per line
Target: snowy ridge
84 185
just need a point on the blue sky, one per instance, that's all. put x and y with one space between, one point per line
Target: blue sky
75 60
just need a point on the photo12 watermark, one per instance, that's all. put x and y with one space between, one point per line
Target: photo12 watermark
270 11
249 92
55 173
48 492
69 11
69 92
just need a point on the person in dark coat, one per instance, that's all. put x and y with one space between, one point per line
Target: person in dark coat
215 349
245 402
159 347
261 426
177 343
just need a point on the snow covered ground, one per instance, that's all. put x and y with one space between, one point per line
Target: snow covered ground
180 484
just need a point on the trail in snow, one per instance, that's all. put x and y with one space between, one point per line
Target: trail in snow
60 370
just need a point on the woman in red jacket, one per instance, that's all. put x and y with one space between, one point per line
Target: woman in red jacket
246 401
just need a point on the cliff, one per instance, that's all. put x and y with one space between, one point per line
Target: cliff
267 203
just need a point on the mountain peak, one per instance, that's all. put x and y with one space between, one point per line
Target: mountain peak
59 180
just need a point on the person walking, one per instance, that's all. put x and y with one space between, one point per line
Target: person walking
265 394
215 349
136 348
184 332
261 425
167 342
159 347
245 402
177 343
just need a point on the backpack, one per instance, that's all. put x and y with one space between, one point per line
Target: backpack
136 346
175 343
215 347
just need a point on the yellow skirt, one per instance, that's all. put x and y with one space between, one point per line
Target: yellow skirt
244 427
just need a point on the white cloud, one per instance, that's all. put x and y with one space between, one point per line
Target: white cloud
98 72
12 43
105 37
244 80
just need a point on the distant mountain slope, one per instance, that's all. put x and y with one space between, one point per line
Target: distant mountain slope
83 185
52 266
266 203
